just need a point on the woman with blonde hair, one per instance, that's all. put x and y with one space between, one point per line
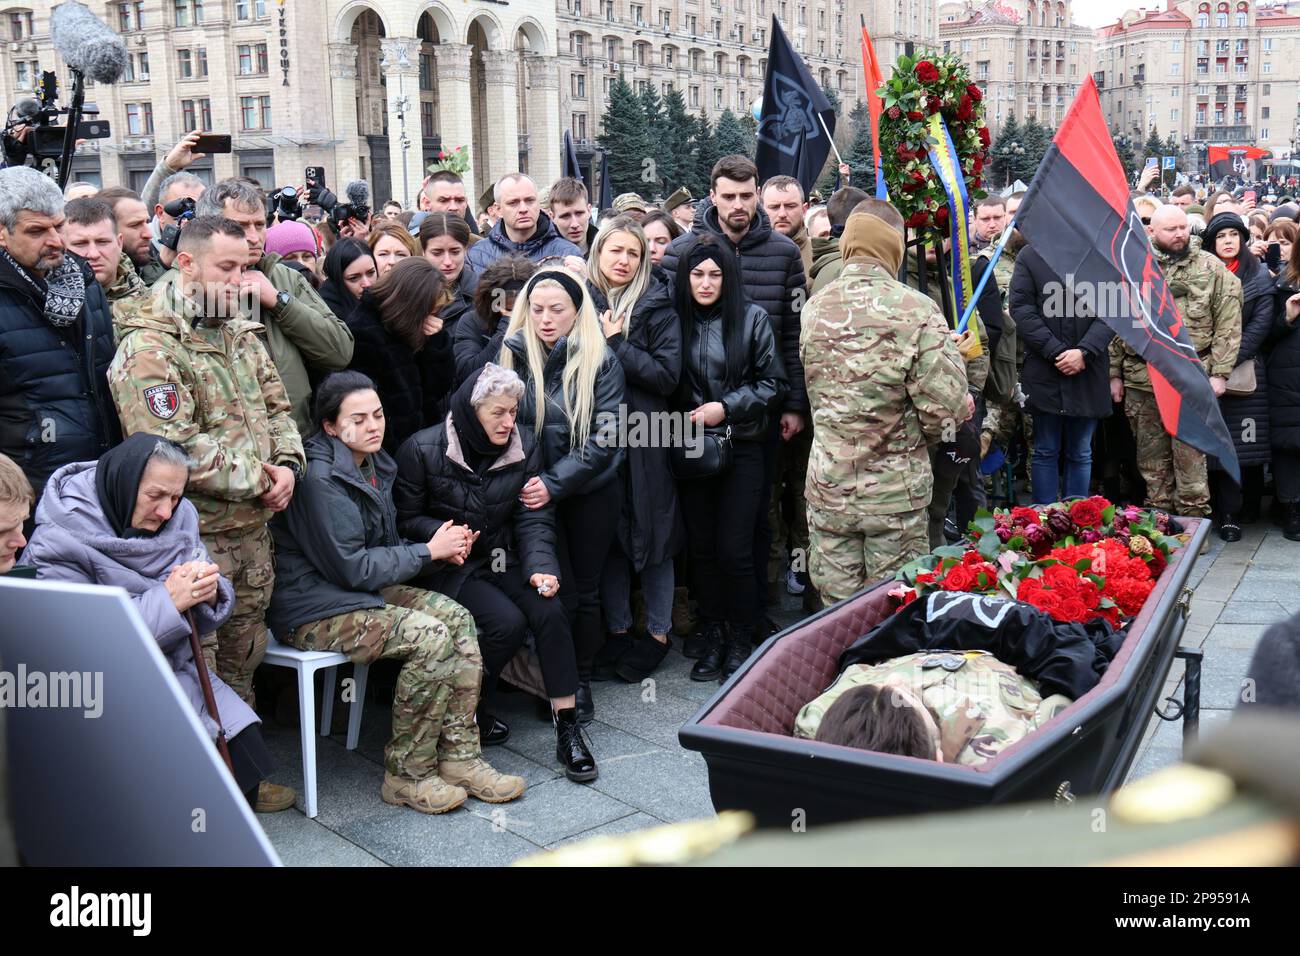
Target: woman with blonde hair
573 387
641 327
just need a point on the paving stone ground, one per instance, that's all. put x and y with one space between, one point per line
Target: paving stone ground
647 779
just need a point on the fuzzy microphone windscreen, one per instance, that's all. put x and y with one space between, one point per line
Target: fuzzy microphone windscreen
87 44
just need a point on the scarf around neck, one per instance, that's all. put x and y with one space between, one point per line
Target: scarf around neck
63 289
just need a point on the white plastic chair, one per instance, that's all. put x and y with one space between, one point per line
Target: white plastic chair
305 664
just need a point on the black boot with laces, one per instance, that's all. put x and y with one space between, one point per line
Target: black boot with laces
571 748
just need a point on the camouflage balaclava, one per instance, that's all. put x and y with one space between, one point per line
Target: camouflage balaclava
870 237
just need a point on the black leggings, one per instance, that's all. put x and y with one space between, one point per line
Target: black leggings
1228 499
505 608
587 525
719 514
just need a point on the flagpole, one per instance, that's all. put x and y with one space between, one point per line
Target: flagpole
839 159
964 323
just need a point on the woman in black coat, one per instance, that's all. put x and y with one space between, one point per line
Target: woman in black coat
573 390
1284 393
1245 415
444 239
402 346
350 270
470 469
731 383
478 338
641 327
1066 376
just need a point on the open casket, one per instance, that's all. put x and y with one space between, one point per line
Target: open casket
745 731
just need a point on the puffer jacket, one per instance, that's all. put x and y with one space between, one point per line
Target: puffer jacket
544 242
462 302
411 385
55 405
568 471
74 542
337 544
774 281
473 347
435 484
751 401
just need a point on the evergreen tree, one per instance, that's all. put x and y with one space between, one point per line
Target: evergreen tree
655 175
1127 158
1154 146
704 147
1035 138
676 165
623 137
861 172
1004 151
730 136
834 98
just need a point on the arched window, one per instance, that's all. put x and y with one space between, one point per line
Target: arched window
1202 21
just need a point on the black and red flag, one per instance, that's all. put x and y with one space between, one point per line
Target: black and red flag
1078 217
1236 161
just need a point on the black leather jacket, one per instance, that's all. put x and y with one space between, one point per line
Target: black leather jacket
749 402
569 472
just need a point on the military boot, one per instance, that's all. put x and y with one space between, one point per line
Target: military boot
709 666
430 795
738 650
571 747
480 781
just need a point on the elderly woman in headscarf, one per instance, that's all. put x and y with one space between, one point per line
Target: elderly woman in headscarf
123 522
471 469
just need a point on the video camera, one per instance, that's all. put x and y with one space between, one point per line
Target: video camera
31 137
182 210
283 205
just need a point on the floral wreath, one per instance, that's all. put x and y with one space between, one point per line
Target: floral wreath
457 161
917 89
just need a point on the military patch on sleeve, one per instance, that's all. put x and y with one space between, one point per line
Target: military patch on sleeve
163 400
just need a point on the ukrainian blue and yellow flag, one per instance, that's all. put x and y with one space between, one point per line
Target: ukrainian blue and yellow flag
943 156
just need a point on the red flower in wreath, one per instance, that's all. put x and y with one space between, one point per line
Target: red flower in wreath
905 153
941 215
918 219
985 139
914 116
893 112
1085 514
974 92
934 104
966 108
927 72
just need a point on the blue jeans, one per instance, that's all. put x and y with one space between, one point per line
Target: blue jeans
1054 435
657 585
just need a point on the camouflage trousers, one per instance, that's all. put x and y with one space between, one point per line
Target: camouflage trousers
791 477
1175 473
438 685
849 551
239 645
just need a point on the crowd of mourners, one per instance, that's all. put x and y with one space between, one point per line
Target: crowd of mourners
403 434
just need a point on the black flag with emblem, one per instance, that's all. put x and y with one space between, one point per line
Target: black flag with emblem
792 140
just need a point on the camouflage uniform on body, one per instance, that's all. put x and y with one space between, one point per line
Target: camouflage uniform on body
214 390
127 284
1208 297
438 685
1003 421
947 479
884 381
981 708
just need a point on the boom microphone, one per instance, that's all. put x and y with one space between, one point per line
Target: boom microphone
86 43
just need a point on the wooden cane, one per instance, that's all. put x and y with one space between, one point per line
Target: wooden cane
209 699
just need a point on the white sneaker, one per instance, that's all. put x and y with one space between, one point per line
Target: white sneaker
792 583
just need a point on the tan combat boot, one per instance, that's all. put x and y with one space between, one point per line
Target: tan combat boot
477 777
430 795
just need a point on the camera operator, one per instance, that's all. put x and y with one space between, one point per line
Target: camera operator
91 231
132 218
301 330
56 336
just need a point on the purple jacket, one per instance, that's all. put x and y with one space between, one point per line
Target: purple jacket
73 542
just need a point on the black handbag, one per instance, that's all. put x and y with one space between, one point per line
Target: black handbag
707 458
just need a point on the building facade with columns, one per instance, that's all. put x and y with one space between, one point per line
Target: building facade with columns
1210 72
1028 56
715 51
368 90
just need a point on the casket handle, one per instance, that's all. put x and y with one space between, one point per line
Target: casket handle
1185 602
1063 794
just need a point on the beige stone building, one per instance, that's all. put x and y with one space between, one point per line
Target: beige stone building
1028 56
1208 71
715 51
366 88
